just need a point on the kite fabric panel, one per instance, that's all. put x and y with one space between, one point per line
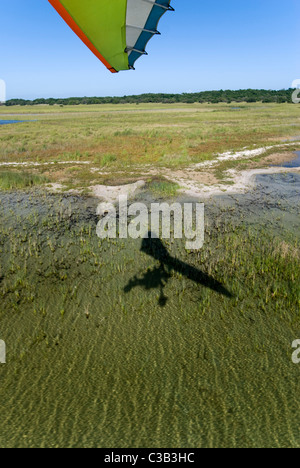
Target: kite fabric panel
116 31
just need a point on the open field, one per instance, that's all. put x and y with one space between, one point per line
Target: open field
118 143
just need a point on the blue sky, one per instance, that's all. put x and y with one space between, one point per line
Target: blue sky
205 45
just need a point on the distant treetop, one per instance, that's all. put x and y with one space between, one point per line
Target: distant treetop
213 97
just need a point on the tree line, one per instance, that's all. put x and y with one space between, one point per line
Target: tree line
213 97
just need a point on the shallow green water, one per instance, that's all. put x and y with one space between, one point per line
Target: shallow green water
92 362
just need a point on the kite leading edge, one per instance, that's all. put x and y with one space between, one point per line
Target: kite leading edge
116 31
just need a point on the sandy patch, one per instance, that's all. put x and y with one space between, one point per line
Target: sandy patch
275 159
245 180
238 182
244 154
111 194
55 188
279 158
59 188
36 164
205 178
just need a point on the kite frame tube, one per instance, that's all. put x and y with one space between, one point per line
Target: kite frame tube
139 48
78 31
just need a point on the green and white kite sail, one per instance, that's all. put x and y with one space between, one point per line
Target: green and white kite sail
116 31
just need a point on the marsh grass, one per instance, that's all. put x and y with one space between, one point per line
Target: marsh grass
10 180
105 160
191 368
163 188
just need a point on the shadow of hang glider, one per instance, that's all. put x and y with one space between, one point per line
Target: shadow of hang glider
158 277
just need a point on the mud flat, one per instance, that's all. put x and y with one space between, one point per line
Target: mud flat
240 182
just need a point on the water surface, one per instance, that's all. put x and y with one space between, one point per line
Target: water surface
294 163
9 122
91 365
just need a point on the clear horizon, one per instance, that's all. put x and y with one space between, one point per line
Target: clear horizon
203 47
